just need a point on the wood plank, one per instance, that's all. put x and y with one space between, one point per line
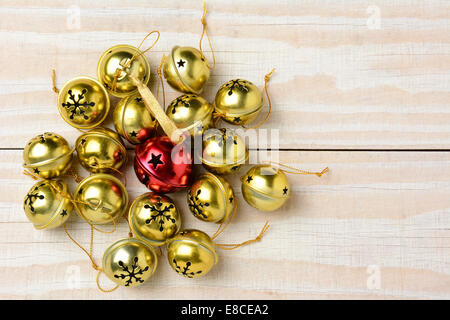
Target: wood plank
339 83
382 210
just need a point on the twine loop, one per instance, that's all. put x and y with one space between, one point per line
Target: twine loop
266 80
238 245
205 32
128 63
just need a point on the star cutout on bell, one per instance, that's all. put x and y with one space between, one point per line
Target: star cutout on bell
133 134
181 63
285 190
249 179
156 159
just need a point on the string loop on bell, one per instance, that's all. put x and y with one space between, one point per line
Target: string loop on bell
55 89
160 80
266 80
238 245
128 63
205 32
223 226
89 254
299 171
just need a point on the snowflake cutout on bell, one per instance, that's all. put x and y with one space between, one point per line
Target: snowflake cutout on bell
154 218
132 119
238 101
48 204
129 262
101 198
223 151
211 198
83 102
101 150
191 112
192 253
47 155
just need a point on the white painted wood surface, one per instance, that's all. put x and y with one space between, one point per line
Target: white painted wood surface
340 83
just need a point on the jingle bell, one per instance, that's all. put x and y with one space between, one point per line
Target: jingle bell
48 204
129 262
211 198
154 218
163 166
132 119
238 101
101 149
265 188
186 69
116 64
101 198
191 253
191 112
47 155
223 151
83 102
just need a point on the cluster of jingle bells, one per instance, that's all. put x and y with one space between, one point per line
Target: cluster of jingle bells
159 163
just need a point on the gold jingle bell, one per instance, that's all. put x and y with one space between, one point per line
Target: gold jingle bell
132 119
129 262
47 155
223 151
116 63
101 150
186 69
238 101
211 198
191 253
101 198
154 218
265 188
83 102
191 112
48 204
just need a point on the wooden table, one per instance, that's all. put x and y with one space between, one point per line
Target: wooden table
362 87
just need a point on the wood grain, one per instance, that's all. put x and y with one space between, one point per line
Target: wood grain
340 84
346 84
387 209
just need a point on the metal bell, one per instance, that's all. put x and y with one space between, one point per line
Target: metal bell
238 101
191 112
191 253
223 151
48 204
129 262
47 155
83 102
154 218
162 166
265 188
186 69
101 149
132 119
118 57
211 198
101 198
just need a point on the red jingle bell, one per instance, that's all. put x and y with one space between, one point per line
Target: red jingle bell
163 166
